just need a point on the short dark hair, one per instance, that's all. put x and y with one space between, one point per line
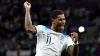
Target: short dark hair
54 14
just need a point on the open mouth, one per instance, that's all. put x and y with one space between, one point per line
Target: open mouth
62 26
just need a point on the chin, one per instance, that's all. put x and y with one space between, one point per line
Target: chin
61 30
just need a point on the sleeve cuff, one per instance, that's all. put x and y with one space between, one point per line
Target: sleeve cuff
76 43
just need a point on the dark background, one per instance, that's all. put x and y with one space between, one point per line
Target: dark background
78 13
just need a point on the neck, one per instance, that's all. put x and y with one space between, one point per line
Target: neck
54 28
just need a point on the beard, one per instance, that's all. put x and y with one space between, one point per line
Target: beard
60 28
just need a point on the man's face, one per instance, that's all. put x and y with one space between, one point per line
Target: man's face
59 22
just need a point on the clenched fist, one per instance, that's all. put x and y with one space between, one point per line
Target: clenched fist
27 5
74 37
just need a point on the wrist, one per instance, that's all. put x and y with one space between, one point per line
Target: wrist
28 10
76 43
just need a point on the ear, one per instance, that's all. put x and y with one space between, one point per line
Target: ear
52 20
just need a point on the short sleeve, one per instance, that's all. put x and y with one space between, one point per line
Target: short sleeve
40 28
69 42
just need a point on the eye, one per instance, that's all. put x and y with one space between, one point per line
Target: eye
60 19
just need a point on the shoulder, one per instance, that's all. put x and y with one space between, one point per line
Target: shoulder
41 27
67 36
68 39
64 36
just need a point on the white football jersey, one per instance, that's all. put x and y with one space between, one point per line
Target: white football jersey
51 43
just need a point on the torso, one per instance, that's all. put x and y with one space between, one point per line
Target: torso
50 43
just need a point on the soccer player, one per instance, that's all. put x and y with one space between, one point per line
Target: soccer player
50 40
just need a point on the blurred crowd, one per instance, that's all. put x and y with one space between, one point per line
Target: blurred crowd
78 13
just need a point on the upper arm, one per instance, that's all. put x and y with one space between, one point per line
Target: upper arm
69 45
30 28
37 29
40 29
69 42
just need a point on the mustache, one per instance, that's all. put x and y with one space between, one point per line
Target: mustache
62 24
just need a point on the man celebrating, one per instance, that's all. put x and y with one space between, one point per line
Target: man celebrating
51 41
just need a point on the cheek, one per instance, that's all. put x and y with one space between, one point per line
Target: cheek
55 22
58 24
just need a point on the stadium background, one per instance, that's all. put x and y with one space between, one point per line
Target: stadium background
15 41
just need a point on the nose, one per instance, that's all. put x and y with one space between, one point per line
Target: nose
63 22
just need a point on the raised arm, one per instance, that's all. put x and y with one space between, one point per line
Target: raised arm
28 22
74 50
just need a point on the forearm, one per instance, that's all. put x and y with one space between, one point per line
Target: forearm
28 21
76 50
28 18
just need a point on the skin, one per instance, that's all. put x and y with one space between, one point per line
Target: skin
57 26
58 23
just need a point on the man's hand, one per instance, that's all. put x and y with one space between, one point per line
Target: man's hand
27 5
74 50
74 37
28 22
